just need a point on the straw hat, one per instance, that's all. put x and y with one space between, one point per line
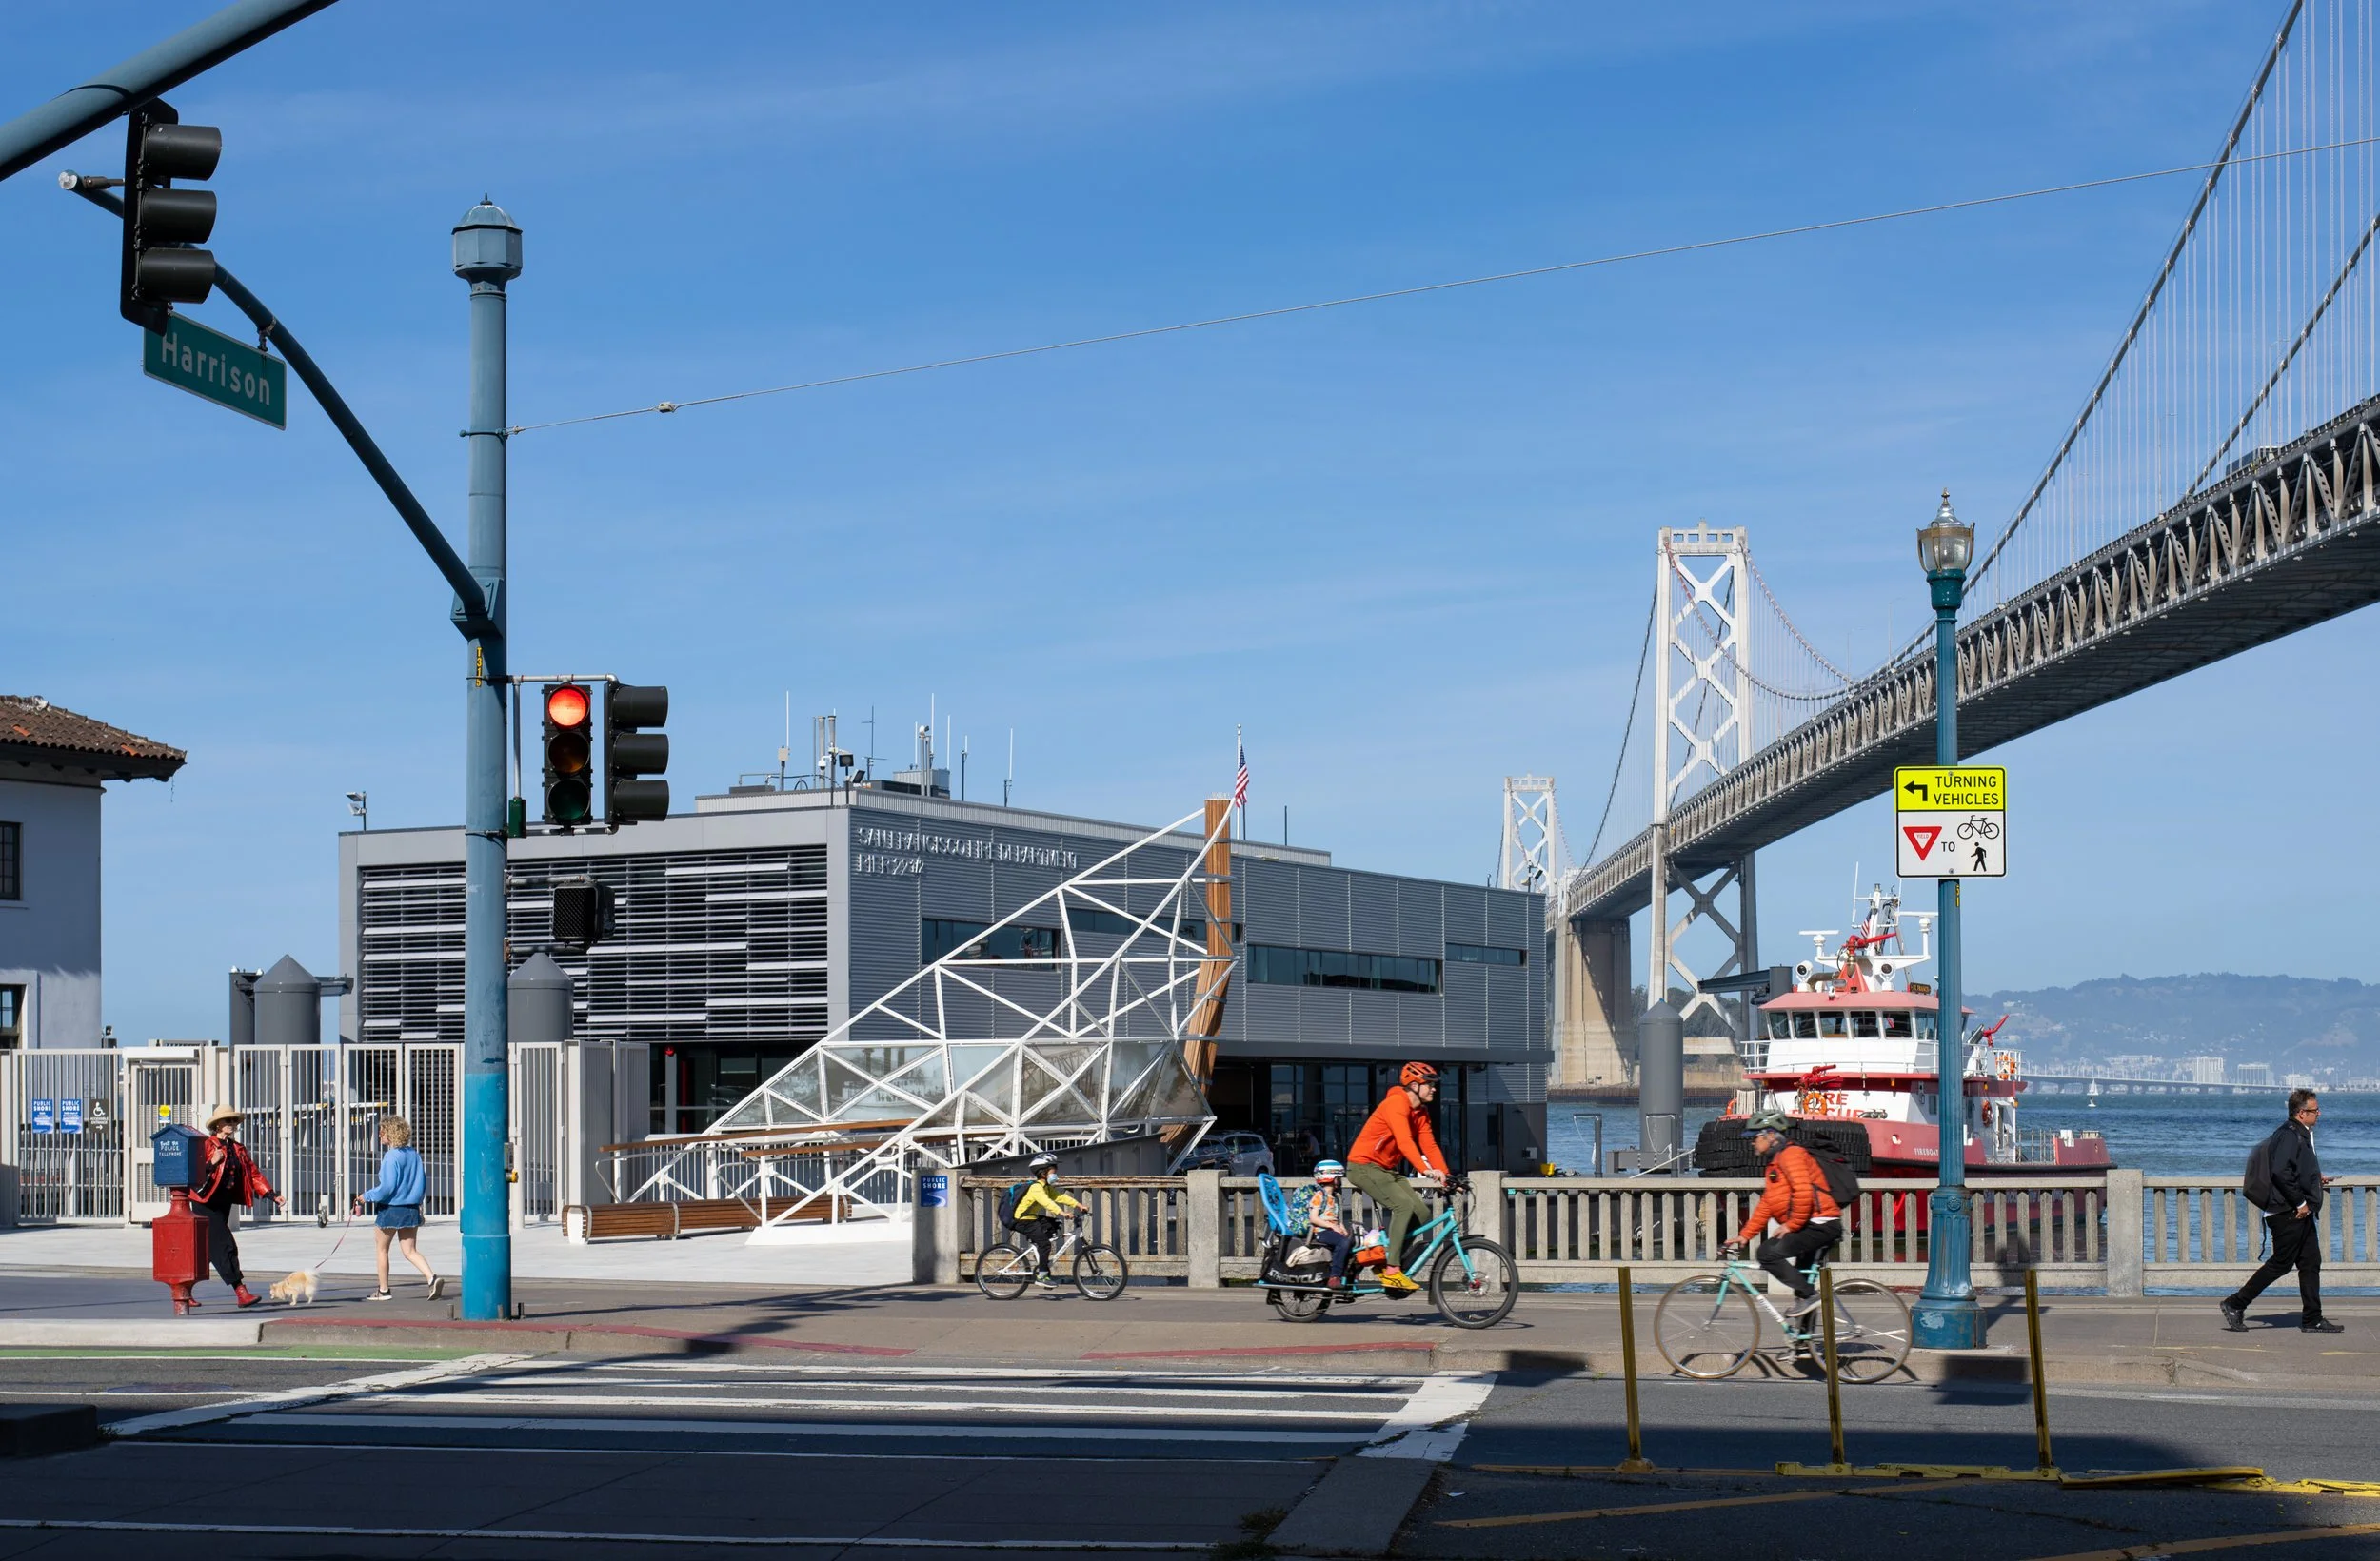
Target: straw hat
221 1114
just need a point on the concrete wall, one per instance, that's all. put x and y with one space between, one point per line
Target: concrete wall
49 939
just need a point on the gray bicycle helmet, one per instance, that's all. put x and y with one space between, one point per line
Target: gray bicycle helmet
1767 1122
1045 1163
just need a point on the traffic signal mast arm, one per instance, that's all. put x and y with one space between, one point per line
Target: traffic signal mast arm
467 589
78 111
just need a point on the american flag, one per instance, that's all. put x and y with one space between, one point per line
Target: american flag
1240 781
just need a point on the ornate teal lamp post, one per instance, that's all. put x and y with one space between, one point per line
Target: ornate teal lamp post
1948 1317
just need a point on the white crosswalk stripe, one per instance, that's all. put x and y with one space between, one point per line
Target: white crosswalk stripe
747 1406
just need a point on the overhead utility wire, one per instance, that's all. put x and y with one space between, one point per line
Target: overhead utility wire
1427 288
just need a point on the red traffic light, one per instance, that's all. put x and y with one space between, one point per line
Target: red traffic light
567 705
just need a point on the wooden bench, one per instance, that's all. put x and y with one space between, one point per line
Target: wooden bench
669 1221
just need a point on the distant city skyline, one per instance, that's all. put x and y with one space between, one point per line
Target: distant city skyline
1405 546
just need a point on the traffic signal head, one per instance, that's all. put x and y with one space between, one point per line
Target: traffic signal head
569 750
160 222
629 752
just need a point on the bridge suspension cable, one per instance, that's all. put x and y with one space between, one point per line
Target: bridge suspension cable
2262 321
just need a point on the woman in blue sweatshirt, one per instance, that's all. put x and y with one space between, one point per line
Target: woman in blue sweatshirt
399 1193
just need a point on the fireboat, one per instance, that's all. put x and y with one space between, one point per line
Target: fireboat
1851 1054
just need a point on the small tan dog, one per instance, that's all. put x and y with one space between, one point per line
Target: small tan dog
298 1288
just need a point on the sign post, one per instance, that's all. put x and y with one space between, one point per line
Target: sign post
1950 823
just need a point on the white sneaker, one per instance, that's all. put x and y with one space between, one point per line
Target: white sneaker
1802 1307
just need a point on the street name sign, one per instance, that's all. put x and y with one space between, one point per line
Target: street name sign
222 369
1950 823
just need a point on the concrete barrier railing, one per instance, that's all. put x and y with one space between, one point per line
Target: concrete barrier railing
2118 1236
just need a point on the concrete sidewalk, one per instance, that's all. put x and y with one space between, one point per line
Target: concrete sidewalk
2088 1340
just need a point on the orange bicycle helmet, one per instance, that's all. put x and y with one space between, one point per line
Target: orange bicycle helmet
1418 1073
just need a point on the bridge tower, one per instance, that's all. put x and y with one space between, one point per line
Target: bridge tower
1531 859
1701 729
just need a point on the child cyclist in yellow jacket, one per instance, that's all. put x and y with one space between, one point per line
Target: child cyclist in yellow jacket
1035 1226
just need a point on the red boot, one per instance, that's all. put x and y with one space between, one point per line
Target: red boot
247 1297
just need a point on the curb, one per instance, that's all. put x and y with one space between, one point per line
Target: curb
615 1339
131 1334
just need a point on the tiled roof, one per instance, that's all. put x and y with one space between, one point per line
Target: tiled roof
33 731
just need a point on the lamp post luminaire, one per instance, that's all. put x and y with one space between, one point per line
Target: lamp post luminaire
1948 1317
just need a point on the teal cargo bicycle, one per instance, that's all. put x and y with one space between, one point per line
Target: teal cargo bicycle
1471 1280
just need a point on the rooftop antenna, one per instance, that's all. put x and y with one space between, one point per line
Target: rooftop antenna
785 749
1008 787
963 769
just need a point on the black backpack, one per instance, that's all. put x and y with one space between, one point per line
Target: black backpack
2256 1182
1008 1201
1843 1182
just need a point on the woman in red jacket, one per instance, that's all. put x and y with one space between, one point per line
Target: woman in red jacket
227 1180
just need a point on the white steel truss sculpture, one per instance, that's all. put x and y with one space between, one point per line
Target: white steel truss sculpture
1531 859
1701 729
958 1063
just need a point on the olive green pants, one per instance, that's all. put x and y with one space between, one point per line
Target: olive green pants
1395 1194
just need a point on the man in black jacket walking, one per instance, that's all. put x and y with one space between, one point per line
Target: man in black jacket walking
2293 1215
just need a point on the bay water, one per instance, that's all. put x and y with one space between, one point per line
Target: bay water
2161 1135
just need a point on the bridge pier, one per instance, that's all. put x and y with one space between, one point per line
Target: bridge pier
1595 1016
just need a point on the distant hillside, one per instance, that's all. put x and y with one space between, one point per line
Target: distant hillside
2296 1025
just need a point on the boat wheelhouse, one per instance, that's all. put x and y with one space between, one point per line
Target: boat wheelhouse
1853 1051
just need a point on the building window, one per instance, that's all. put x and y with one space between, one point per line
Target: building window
938 936
1330 967
11 862
1474 954
11 1017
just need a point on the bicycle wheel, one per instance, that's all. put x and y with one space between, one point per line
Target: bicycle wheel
1003 1270
1301 1304
1100 1272
1706 1326
1872 1332
1481 1297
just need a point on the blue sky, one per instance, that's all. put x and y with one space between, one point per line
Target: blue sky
1408 544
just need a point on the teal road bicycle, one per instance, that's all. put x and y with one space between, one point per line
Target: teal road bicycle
1710 1324
1471 1280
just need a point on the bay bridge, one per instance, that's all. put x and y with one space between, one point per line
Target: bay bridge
2217 491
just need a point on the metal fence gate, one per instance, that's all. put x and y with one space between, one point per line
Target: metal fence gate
74 1123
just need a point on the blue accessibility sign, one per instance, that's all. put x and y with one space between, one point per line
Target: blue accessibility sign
45 1115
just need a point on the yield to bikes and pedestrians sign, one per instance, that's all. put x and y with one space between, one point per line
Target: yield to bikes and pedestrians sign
1950 823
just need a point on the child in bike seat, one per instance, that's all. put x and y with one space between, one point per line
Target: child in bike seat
1032 1223
1323 1207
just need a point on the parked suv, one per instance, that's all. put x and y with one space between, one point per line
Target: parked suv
1233 1154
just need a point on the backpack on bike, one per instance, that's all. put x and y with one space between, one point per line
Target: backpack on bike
1843 1182
1008 1201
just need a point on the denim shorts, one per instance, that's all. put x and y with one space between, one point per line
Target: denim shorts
399 1216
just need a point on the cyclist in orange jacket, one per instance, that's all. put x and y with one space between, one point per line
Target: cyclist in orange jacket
1795 1197
1397 1136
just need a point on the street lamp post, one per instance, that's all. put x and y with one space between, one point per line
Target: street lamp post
488 255
1948 1317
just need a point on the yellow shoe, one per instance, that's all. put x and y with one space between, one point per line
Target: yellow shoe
1394 1282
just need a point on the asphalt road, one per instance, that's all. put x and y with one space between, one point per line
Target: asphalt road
653 1457
388 1455
1506 1495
